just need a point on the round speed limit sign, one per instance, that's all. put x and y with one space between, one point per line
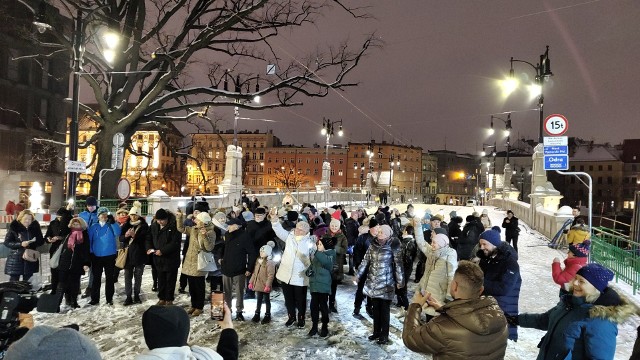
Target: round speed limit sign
556 125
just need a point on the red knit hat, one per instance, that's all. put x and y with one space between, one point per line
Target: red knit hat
337 215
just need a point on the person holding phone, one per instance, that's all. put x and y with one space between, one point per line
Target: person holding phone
24 233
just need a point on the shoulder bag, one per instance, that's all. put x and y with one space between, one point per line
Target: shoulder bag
31 255
206 260
55 258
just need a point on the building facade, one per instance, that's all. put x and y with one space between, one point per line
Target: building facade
631 173
457 179
429 184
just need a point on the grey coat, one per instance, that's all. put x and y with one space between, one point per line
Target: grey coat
384 264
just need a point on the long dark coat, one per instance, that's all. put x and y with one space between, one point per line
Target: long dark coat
16 234
137 254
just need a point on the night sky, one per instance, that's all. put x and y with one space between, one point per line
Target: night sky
435 79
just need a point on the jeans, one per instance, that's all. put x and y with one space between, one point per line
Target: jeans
227 285
263 297
508 239
295 298
381 317
98 264
167 284
135 274
319 305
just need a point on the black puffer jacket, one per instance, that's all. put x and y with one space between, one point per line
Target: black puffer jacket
16 234
385 269
455 232
469 239
74 260
260 233
58 227
137 254
167 240
239 255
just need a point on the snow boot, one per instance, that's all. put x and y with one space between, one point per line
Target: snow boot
300 323
356 314
324 331
266 319
239 316
332 308
128 301
290 321
136 299
256 317
314 329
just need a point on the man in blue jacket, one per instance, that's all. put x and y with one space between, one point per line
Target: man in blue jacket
103 237
499 262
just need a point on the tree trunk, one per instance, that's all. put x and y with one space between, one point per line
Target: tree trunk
103 150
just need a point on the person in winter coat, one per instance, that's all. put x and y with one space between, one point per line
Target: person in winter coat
23 233
57 231
469 327
578 233
434 222
74 261
166 332
261 233
512 229
340 247
484 219
320 284
441 264
90 216
385 275
103 237
455 232
133 236
202 238
261 281
577 257
291 273
409 252
584 324
499 262
237 263
469 239
368 233
351 231
163 242
395 223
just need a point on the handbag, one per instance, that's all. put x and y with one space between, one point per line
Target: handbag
206 261
31 255
55 258
121 258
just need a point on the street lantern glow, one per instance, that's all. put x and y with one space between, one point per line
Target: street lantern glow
111 39
534 91
323 131
507 132
490 131
508 86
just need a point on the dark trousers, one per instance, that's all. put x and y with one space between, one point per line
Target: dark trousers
167 284
334 288
55 278
263 297
248 292
295 298
420 266
360 295
350 257
197 289
69 285
508 239
403 299
25 277
134 275
215 282
98 264
381 317
318 306
183 281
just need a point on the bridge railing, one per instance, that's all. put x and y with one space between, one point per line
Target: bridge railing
617 252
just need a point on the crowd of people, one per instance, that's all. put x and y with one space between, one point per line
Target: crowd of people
465 304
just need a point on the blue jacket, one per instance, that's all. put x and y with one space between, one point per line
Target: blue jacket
502 280
103 239
579 330
322 265
89 217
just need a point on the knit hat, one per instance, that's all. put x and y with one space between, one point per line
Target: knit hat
204 218
475 214
386 231
442 240
201 206
165 326
492 235
102 210
78 220
234 221
260 210
373 223
469 218
91 201
440 231
219 220
247 216
162 214
337 215
485 212
597 275
136 209
48 342
580 250
328 242
292 215
453 214
268 249
436 217
122 211
331 211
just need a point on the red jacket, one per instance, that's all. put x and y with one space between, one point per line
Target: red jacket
571 267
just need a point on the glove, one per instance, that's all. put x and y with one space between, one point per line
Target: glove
110 219
267 289
512 319
250 286
350 250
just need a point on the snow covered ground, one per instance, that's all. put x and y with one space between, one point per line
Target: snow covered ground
118 333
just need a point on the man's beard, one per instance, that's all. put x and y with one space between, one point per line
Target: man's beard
491 253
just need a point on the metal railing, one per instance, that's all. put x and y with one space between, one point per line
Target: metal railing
112 204
617 252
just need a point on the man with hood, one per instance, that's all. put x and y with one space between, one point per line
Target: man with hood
469 327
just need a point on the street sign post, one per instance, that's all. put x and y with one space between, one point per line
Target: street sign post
556 162
556 151
76 166
556 125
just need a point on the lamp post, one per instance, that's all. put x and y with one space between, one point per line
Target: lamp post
328 128
391 163
494 153
507 131
543 70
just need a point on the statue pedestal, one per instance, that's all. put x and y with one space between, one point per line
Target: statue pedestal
231 185
325 183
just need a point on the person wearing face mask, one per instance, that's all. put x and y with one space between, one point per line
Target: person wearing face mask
237 263
102 244
295 260
23 233
340 246
261 233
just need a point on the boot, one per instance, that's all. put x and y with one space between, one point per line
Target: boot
324 331
266 319
356 314
239 316
332 308
300 323
136 299
290 321
256 317
314 329
87 293
196 312
128 301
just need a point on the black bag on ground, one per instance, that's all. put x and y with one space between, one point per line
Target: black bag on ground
49 303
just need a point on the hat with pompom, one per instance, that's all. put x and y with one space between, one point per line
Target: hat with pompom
268 249
580 250
492 235
136 209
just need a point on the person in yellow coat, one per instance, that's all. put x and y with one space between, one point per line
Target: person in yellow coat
578 233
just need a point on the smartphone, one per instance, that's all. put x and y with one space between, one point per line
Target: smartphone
217 305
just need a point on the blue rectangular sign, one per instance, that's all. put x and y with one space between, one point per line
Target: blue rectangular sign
556 150
556 162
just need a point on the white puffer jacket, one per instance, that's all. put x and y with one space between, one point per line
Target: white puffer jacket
296 256
438 273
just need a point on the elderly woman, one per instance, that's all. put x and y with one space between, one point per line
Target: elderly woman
299 245
383 260
441 264
584 323
74 261
24 233
202 238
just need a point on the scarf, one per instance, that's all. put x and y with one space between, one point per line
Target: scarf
75 238
135 223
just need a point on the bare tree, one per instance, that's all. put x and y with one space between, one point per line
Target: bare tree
164 45
290 177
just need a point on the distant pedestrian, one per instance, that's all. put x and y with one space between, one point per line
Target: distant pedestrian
512 229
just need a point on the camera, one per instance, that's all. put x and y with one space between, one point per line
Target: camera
15 298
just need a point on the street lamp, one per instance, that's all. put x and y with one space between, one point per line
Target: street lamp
328 128
543 71
494 154
391 163
507 130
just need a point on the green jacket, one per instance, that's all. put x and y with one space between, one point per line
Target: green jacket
322 265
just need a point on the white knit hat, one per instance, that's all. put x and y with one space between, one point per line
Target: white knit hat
136 209
204 218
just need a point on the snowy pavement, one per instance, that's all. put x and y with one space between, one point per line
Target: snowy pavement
118 333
